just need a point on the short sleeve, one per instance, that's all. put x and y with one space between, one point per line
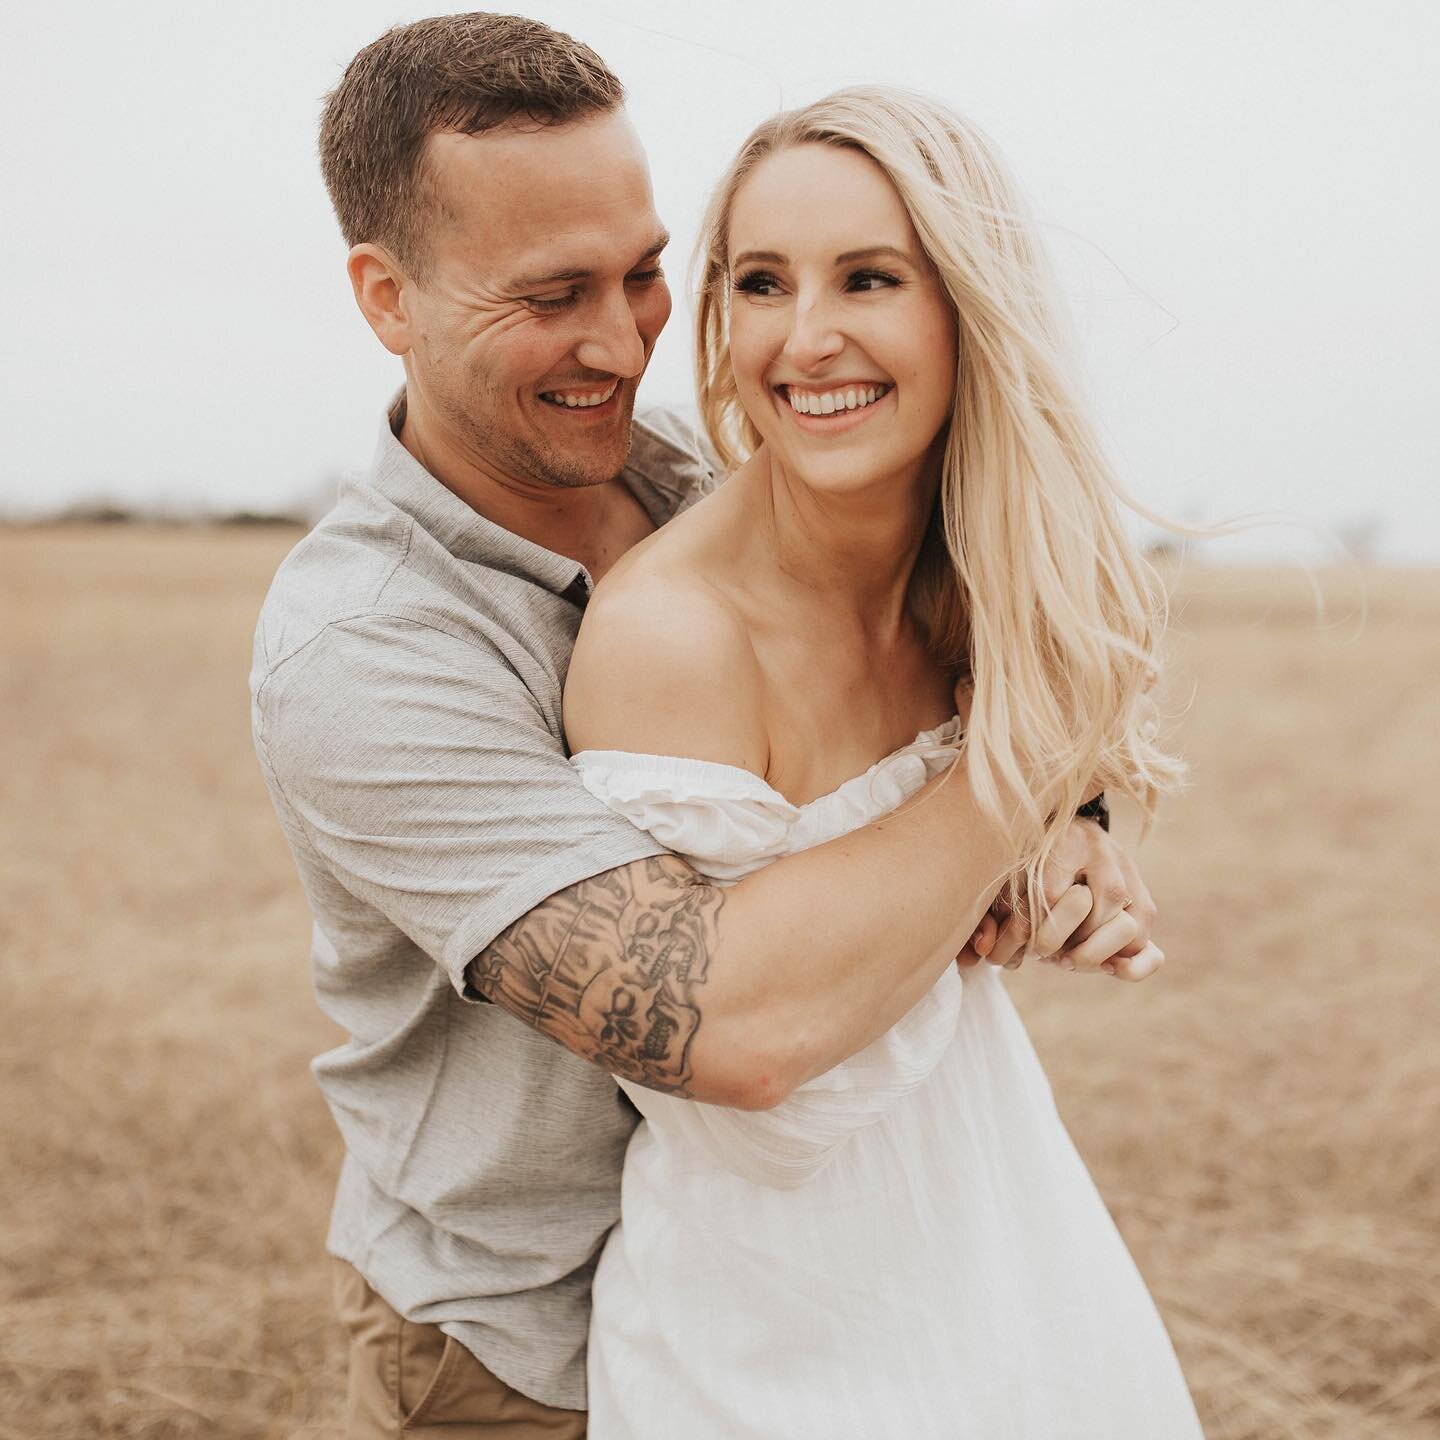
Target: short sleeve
419 770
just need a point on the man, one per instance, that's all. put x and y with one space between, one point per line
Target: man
473 904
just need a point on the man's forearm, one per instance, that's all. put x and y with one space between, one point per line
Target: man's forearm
613 968
736 996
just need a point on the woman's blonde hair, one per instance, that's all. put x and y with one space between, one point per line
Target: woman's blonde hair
1026 579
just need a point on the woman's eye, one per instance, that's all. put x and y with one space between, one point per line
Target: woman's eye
758 282
864 280
645 277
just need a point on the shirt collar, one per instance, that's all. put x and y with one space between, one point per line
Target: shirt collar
467 535
669 467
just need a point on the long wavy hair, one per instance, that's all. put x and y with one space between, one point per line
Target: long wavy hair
1026 582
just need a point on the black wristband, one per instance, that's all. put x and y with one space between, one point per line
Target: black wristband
1096 810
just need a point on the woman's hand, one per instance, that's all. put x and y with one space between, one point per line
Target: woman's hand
1100 919
1101 911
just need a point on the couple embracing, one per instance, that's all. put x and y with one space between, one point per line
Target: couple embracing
680 1084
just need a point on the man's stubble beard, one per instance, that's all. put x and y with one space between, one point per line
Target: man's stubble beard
536 460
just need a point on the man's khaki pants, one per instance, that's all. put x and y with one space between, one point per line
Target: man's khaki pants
409 1380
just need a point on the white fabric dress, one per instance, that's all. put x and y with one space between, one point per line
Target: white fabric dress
907 1246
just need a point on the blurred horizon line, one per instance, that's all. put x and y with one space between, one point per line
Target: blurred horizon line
1356 542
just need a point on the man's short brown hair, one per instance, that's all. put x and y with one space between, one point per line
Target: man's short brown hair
458 73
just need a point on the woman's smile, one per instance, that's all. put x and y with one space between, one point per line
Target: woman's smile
835 408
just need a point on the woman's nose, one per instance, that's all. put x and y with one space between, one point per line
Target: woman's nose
814 335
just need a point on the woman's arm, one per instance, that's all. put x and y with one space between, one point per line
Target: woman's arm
737 995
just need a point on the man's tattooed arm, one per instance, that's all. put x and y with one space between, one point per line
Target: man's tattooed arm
613 968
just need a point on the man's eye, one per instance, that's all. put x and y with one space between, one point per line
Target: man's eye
555 302
645 277
758 282
865 280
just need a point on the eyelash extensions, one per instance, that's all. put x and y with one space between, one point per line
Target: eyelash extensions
750 283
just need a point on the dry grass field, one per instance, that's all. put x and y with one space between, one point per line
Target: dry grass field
1262 1117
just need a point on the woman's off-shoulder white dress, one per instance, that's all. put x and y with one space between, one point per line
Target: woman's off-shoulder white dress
907 1246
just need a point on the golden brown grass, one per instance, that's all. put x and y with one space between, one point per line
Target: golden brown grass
1262 1117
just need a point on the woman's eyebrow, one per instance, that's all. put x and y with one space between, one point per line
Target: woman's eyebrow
769 257
870 252
874 252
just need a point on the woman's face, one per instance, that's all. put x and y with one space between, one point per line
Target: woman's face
842 339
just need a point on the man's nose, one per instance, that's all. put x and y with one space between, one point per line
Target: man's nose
613 342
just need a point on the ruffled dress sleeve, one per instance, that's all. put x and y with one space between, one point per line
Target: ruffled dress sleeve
727 822
723 820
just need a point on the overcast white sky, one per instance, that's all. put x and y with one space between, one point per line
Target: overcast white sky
1242 195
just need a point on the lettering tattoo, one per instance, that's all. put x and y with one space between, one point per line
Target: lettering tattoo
611 968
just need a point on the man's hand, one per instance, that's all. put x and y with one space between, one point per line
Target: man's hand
1101 914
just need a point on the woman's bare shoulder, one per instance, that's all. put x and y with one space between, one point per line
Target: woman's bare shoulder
664 664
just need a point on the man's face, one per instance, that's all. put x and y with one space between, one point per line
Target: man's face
544 296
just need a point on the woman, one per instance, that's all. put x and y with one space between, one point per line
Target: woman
907 1245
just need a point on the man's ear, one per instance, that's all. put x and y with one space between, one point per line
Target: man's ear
382 291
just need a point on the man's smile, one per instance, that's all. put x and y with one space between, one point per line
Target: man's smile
591 397
591 401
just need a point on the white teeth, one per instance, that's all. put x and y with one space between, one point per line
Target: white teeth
580 402
805 403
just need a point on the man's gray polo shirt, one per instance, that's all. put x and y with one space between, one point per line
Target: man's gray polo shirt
406 692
